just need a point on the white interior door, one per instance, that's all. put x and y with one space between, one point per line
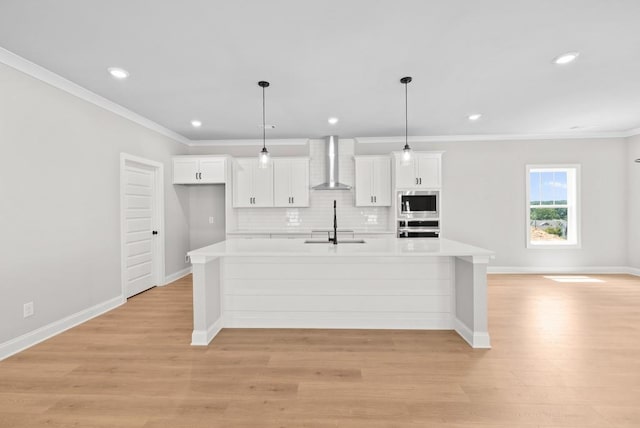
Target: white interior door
141 220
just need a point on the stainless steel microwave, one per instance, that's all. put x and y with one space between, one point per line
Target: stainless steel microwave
418 204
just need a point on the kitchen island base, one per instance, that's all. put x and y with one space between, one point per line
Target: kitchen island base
328 291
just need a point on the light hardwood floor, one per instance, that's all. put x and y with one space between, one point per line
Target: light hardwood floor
564 355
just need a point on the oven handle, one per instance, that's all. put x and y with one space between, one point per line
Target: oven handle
417 229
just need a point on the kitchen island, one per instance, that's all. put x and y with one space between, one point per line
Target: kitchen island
385 283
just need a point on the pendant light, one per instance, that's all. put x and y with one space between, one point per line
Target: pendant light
263 157
406 151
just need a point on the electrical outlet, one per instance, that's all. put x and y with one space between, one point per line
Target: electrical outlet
186 259
211 220
27 309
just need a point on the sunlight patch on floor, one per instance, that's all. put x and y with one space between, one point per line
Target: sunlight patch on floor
572 278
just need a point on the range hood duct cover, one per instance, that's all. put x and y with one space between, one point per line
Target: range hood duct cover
332 170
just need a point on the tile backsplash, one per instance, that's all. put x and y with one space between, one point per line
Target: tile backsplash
319 215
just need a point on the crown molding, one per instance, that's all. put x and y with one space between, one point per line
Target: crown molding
255 142
494 137
21 64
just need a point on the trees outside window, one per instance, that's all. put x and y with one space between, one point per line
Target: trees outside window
552 206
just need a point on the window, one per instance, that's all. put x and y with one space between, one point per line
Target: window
553 216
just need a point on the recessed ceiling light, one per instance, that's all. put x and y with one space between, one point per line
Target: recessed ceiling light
474 117
566 58
332 120
118 73
196 123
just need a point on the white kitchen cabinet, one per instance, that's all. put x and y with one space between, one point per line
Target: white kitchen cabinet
422 172
291 182
252 186
373 181
199 170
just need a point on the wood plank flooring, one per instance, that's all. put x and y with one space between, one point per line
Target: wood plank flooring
564 355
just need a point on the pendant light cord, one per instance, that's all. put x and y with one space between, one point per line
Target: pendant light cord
264 127
406 116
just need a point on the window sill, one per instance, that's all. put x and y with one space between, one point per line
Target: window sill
563 246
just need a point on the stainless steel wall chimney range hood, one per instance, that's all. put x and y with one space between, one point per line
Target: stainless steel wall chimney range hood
332 161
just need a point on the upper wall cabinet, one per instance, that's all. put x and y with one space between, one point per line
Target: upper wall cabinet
373 181
291 182
252 186
199 170
422 172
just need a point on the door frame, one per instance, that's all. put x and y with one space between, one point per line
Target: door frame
158 215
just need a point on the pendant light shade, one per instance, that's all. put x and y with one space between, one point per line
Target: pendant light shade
406 151
263 158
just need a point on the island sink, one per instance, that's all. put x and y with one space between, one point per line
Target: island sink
342 241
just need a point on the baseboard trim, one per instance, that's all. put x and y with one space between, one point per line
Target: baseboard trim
202 337
563 270
634 271
478 340
177 275
41 334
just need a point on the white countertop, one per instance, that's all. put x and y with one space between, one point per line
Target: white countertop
373 247
307 231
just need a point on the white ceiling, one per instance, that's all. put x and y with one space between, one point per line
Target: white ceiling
202 59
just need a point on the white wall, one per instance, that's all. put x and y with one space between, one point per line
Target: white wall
59 197
484 197
633 198
206 200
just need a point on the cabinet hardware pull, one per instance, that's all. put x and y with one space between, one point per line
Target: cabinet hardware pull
196 175
375 199
416 180
420 180
200 176
292 199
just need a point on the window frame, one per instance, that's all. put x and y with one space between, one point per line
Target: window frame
575 206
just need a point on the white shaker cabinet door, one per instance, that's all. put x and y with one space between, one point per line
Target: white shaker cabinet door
373 181
185 171
281 182
406 177
428 167
364 182
423 171
299 182
212 170
262 185
290 182
243 183
381 179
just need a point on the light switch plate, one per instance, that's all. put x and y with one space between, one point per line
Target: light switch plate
27 309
